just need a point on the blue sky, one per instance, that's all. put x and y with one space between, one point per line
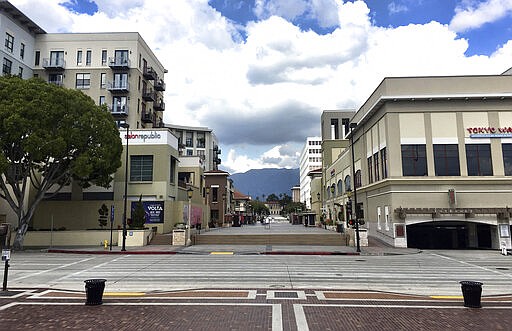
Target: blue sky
260 72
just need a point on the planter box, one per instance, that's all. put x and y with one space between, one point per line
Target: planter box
135 237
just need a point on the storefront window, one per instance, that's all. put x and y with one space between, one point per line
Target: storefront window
414 160
478 157
446 160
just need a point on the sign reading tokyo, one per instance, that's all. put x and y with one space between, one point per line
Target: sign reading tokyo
153 210
143 136
490 132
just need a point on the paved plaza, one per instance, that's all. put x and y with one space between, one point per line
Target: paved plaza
256 287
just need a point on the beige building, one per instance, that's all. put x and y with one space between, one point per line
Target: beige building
432 162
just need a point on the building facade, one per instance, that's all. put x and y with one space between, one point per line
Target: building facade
432 163
310 159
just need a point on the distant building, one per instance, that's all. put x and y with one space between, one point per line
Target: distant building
310 159
274 207
296 194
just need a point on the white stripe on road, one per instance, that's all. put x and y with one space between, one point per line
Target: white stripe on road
49 270
473 265
300 318
86 270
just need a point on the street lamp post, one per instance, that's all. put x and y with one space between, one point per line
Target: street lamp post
190 191
127 127
353 126
223 207
207 210
333 215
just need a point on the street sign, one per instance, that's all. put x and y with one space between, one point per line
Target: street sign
112 214
6 254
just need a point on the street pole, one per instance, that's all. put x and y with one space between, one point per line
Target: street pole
189 193
354 210
207 210
127 126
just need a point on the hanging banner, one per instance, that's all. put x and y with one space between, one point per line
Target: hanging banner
154 211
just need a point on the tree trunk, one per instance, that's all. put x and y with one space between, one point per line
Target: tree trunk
20 236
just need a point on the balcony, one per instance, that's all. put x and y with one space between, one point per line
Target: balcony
159 106
160 85
118 87
54 64
149 95
147 117
119 111
56 82
119 63
149 73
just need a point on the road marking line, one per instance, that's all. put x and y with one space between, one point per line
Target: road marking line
124 294
300 318
53 269
277 318
473 265
86 270
221 253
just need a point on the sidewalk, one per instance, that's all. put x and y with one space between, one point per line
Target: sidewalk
375 247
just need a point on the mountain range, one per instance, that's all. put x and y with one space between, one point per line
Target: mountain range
261 182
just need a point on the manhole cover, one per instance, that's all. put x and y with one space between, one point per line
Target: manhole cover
286 295
502 268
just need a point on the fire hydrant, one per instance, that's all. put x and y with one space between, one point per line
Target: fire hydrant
105 243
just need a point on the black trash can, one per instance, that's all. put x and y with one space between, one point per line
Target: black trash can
94 291
472 293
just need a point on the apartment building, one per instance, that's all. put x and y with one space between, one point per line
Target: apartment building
198 142
116 69
310 159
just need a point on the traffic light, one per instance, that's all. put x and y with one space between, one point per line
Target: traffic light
351 222
361 222
349 209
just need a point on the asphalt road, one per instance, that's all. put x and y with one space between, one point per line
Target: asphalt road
428 273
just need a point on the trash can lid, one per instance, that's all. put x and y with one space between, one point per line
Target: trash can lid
471 283
95 280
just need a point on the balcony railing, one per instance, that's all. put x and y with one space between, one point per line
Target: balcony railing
149 95
118 87
147 117
55 64
149 73
160 85
119 110
159 106
56 82
119 63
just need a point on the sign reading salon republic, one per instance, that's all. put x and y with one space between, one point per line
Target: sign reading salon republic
149 137
153 210
490 132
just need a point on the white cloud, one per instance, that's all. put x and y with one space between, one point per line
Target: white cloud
264 96
395 8
289 9
469 16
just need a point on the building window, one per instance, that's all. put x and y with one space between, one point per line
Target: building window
340 186
190 152
103 80
104 57
7 67
215 194
386 217
384 162
20 72
446 160
376 166
9 42
88 56
141 168
201 140
507 158
79 58
121 57
22 51
56 79
478 157
121 81
83 81
379 226
370 170
357 179
414 160
172 169
102 100
119 104
188 139
37 58
348 186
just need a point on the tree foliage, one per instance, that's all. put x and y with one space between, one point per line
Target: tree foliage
138 215
50 136
259 207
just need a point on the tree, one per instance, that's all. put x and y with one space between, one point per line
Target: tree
138 215
103 215
272 197
50 136
259 207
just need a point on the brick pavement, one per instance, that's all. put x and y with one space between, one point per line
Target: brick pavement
243 309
